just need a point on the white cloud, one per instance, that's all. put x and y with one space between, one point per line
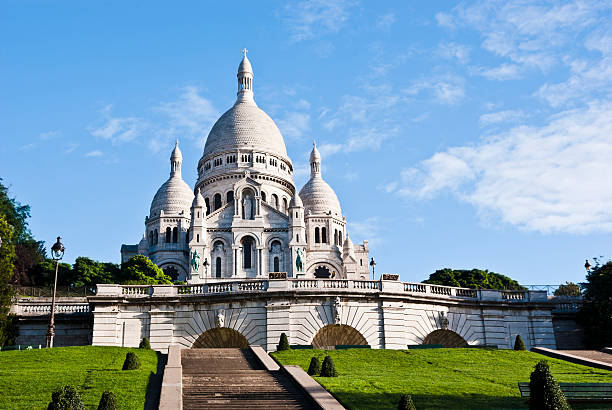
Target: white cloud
385 21
445 20
500 117
70 148
310 18
452 51
117 129
191 115
447 90
95 153
369 229
294 124
500 73
553 178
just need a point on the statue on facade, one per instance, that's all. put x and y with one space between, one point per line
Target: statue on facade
299 260
220 318
443 321
195 261
337 310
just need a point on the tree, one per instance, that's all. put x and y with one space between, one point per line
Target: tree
108 401
474 279
314 369
596 313
139 270
545 393
132 362
406 403
7 260
43 273
66 398
88 272
568 289
328 369
519 344
283 343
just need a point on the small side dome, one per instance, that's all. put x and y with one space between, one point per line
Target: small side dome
296 201
174 197
245 65
176 155
315 155
318 196
347 248
198 200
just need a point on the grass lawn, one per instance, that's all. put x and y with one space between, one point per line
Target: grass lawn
436 378
28 377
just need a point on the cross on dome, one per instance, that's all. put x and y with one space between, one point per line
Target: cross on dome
244 52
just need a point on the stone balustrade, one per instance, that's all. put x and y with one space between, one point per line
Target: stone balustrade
308 285
40 307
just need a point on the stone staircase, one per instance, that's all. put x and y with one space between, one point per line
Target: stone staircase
236 379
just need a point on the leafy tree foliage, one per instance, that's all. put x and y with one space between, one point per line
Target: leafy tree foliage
545 391
140 270
328 369
474 279
406 403
596 312
7 260
568 289
144 344
108 401
132 362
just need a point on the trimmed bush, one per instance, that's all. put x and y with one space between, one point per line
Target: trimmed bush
144 344
315 367
545 391
132 362
283 343
328 369
108 401
66 398
406 403
519 344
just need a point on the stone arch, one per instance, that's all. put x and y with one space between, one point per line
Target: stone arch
335 271
446 338
220 337
328 337
239 237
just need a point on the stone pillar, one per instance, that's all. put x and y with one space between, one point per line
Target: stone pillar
259 262
235 249
161 328
277 322
394 332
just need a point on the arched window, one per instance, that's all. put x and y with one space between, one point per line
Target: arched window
275 201
168 235
285 205
263 196
339 238
317 240
217 201
248 204
324 235
207 206
276 264
155 237
151 238
175 234
187 236
247 253
171 271
218 267
335 237
230 197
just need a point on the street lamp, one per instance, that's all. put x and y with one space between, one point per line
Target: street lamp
373 265
587 265
57 253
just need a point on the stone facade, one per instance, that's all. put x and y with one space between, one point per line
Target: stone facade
385 314
244 217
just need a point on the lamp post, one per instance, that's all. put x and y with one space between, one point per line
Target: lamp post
373 265
587 265
57 253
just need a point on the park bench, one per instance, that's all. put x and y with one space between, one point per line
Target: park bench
578 392
424 346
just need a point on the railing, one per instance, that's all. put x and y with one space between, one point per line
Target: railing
321 285
47 291
36 309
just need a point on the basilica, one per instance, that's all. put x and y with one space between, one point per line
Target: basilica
245 218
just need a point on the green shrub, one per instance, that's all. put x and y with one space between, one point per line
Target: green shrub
144 344
315 367
406 403
328 369
108 401
66 398
519 344
283 344
545 391
132 362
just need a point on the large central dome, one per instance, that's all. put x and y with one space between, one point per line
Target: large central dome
245 125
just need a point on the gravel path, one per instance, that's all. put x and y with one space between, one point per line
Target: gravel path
591 354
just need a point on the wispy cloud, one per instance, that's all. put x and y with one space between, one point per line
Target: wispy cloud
117 130
95 153
311 18
294 124
369 228
385 21
454 51
448 89
500 73
552 178
505 116
71 147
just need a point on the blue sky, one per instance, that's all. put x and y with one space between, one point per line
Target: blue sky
465 135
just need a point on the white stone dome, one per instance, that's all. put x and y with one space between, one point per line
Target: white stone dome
245 126
174 196
319 198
